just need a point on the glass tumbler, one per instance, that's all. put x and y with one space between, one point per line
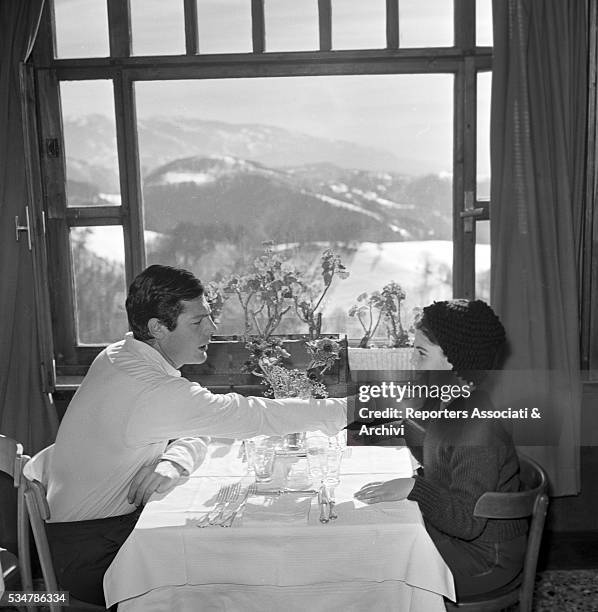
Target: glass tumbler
260 458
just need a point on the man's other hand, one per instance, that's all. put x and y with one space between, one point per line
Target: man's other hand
159 478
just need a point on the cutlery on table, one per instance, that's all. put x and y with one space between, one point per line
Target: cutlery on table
226 495
233 496
229 519
285 491
323 503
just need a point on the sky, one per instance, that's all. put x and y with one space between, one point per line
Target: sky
408 115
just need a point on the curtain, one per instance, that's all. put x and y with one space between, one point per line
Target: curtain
538 124
25 413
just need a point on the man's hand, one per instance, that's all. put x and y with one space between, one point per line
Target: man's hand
160 478
391 490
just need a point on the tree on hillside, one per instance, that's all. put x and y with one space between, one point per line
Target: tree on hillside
100 293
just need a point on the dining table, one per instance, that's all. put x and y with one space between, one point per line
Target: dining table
265 548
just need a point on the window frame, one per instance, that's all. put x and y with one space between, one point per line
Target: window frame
464 60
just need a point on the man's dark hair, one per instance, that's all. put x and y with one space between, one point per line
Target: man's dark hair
158 292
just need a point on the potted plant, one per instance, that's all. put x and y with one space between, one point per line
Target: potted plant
271 290
308 301
265 292
285 382
384 306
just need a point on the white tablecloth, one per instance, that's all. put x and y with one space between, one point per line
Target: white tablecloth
376 557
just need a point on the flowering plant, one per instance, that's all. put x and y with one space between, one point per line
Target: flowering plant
265 292
270 288
307 302
216 298
368 311
323 353
269 351
284 382
392 295
371 309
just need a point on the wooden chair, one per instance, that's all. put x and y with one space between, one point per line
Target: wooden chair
532 502
12 461
35 473
9 571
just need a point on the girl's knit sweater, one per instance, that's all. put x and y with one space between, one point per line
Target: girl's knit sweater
463 458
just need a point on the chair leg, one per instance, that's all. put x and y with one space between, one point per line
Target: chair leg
24 547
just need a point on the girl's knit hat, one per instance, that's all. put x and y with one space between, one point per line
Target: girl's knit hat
468 332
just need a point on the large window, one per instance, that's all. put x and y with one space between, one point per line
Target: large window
189 133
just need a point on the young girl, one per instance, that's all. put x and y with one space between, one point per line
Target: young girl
462 458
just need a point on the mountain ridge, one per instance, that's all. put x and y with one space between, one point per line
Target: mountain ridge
90 140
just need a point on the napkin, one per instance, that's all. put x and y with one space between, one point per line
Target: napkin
280 509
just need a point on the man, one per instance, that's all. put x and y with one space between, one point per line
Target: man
135 426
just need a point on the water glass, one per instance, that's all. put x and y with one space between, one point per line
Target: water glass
324 457
260 458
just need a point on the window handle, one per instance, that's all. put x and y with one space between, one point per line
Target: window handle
473 212
23 228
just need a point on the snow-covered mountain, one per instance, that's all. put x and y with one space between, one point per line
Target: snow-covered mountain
90 143
305 203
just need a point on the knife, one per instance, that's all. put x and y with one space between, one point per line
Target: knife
285 492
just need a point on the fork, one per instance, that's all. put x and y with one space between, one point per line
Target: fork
229 520
231 498
226 494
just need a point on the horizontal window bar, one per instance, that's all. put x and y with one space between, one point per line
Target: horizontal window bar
94 215
153 62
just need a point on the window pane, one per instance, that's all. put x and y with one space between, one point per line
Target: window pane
482 260
81 28
483 18
100 290
483 135
224 26
426 23
358 25
157 27
358 163
90 143
291 25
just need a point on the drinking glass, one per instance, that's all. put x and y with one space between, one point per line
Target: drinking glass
260 457
324 457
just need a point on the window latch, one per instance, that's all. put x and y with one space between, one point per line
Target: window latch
23 228
472 213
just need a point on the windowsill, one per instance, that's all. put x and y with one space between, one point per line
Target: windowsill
68 383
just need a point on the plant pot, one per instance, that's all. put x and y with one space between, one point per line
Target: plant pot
380 359
223 369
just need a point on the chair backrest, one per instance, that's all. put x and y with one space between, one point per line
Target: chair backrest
35 476
35 473
531 501
12 462
11 454
515 505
